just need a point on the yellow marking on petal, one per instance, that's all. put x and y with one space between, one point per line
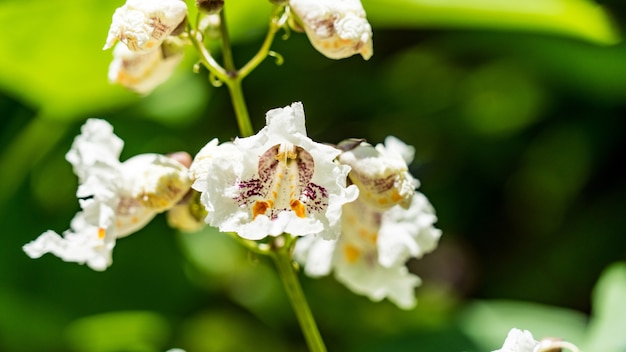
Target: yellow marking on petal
383 201
260 207
134 220
298 208
396 197
101 233
368 235
351 253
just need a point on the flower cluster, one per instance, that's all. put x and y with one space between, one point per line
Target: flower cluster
388 224
148 50
353 207
116 198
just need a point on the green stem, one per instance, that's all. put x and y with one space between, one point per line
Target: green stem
239 104
275 24
205 56
227 53
282 258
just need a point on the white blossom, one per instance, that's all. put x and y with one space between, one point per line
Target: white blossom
143 24
519 341
523 341
370 255
277 181
387 225
336 28
381 172
116 198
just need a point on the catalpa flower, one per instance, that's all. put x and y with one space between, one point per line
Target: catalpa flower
519 341
142 25
336 28
144 71
376 241
116 198
381 172
522 341
370 255
277 181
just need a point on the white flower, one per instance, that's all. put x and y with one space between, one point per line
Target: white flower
143 71
277 181
522 341
116 198
519 341
143 24
381 172
369 257
336 28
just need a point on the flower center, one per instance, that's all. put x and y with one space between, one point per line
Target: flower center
283 184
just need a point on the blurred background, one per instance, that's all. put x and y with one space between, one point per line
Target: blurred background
516 112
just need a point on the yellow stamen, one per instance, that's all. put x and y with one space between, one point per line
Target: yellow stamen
101 233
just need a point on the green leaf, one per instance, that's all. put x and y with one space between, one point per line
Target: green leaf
606 329
576 18
53 59
119 331
488 322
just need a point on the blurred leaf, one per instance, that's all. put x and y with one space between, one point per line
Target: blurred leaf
228 330
488 322
26 149
228 267
19 331
53 57
577 18
119 331
501 99
606 329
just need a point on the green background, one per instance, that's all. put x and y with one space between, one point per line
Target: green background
516 112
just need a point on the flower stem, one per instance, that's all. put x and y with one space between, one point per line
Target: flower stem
277 21
282 258
239 104
227 53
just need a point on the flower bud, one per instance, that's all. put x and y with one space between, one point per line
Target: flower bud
279 2
159 182
210 6
336 28
381 172
142 72
144 24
